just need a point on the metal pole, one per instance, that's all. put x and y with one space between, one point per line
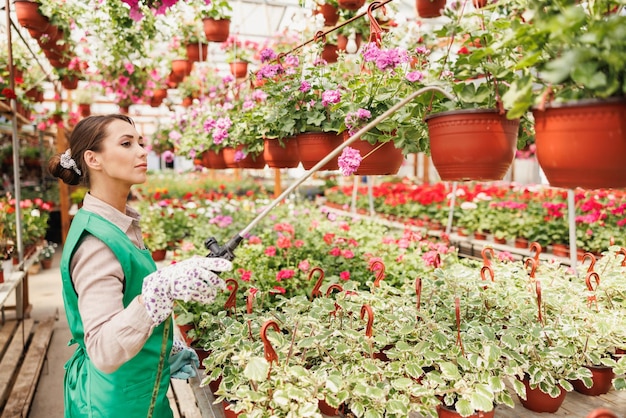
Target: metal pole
571 216
355 188
370 193
337 150
451 210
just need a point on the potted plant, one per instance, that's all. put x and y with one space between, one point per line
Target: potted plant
216 17
238 54
573 73
45 256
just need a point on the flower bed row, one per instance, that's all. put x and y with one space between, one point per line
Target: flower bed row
420 352
536 213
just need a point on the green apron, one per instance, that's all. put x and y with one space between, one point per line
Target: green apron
127 392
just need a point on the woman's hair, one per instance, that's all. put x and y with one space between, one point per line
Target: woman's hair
88 134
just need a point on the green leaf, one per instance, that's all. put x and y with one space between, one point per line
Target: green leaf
257 369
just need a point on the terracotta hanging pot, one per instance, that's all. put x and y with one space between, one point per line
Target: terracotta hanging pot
158 96
187 101
229 157
159 255
213 159
251 160
315 146
330 53
583 144
28 15
472 144
350 4
196 52
378 159
181 68
69 82
330 13
342 41
538 401
216 30
446 412
560 250
429 8
239 69
84 109
281 156
521 242
602 378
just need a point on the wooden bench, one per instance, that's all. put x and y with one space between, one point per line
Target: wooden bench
23 348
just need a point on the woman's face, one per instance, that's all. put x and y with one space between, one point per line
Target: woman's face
123 157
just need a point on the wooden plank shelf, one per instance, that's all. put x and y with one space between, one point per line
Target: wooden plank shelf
23 348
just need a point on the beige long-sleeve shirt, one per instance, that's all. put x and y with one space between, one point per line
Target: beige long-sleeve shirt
113 335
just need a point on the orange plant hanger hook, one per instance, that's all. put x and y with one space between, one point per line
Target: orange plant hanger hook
380 272
231 302
370 319
318 283
270 354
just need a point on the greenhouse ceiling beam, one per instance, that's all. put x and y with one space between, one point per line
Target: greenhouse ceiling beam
271 3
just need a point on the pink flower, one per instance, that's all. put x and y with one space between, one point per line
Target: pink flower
285 274
278 289
349 161
347 254
254 240
335 252
270 251
304 265
283 242
344 275
245 274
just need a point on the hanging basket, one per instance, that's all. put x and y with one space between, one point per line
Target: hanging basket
583 144
330 13
378 159
429 8
84 109
181 68
281 156
29 17
330 53
250 160
229 157
472 144
70 82
196 52
350 4
213 159
239 69
216 30
315 146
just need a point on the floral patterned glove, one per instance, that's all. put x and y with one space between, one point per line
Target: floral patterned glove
182 360
192 279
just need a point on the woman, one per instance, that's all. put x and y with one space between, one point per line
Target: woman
117 304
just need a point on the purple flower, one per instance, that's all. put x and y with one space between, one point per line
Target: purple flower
305 86
414 76
292 61
330 96
247 105
349 161
259 95
168 156
239 155
267 54
209 124
219 135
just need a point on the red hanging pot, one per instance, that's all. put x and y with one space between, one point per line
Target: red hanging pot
472 144
382 158
28 15
196 52
583 144
213 159
84 109
429 8
315 146
281 156
350 4
251 160
216 30
70 82
330 13
229 157
330 53
239 69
